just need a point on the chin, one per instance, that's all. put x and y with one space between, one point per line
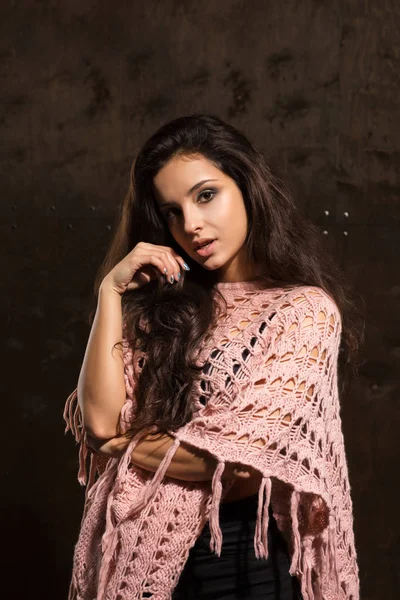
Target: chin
211 265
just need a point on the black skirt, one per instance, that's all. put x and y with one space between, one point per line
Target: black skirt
237 573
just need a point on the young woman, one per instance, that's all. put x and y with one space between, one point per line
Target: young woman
205 218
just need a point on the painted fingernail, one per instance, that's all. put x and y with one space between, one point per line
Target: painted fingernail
165 270
179 276
186 267
172 279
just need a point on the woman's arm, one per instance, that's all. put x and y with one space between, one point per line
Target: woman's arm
188 463
101 383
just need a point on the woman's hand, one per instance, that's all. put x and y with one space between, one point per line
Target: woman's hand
143 264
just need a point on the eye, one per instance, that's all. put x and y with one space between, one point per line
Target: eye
212 192
171 211
166 213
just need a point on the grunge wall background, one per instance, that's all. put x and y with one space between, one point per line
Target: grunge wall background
315 85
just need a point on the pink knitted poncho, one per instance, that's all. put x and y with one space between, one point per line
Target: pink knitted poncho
269 400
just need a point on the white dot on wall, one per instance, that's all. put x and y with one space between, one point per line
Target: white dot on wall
326 212
345 233
346 214
325 232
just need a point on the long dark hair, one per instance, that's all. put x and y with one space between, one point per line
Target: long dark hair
169 322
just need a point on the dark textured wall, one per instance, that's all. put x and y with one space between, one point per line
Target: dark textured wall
316 85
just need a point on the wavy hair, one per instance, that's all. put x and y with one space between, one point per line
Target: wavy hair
169 322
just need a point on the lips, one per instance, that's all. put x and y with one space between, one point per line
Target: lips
202 242
207 249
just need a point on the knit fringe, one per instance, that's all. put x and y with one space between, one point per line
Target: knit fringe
216 493
295 563
111 533
261 530
82 473
92 472
72 591
73 418
70 415
262 523
303 558
332 550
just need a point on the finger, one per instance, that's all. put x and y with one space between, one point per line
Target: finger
174 267
172 261
157 261
170 264
180 261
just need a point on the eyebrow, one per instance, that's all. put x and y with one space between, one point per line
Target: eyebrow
189 192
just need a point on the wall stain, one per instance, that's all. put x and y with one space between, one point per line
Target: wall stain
278 61
241 91
201 77
287 107
154 108
12 107
19 154
385 156
71 158
299 158
388 188
347 186
379 372
101 93
136 62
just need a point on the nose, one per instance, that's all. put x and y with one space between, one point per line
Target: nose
192 220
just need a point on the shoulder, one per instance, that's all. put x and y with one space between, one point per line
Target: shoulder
304 304
312 297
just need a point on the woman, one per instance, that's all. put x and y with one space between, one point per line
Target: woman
205 219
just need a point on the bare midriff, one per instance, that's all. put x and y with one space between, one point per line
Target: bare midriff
242 488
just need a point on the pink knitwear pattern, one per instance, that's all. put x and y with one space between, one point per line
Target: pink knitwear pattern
268 398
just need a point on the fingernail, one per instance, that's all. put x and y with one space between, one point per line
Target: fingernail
186 266
179 276
172 279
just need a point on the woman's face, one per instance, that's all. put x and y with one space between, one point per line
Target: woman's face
214 209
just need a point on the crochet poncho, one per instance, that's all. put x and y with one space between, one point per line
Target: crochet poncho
267 399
